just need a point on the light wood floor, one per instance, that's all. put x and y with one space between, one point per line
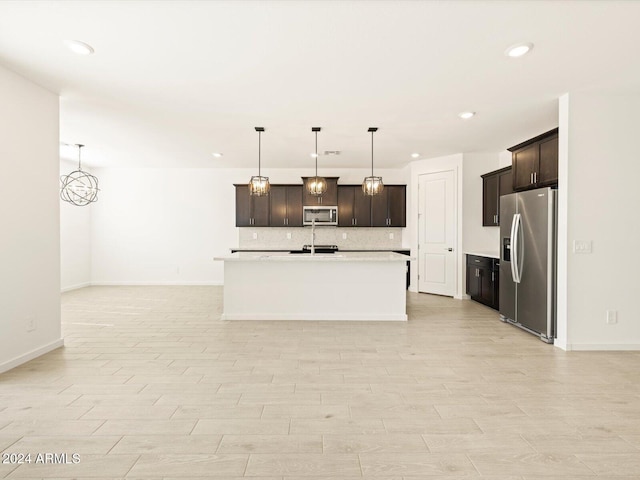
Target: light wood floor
151 384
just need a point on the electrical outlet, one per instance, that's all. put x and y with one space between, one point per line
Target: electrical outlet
255 235
288 235
612 317
31 323
582 246
391 236
344 236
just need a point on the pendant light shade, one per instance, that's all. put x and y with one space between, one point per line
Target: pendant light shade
316 185
79 188
372 185
259 185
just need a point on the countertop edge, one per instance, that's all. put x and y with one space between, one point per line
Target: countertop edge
380 256
479 253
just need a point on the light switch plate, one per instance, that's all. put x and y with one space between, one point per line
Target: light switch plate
255 235
582 246
344 236
391 236
288 235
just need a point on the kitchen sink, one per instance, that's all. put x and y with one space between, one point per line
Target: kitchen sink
308 252
306 249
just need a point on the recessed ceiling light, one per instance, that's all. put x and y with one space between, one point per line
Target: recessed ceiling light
466 115
217 154
79 47
415 155
518 50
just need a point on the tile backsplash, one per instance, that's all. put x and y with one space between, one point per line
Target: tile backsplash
378 238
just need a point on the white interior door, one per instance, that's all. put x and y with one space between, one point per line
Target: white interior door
437 235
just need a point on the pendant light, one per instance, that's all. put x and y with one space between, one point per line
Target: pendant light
316 185
372 185
259 185
79 188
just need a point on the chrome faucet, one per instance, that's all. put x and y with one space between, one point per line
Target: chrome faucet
313 236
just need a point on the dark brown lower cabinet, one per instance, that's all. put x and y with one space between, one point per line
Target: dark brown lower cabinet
483 280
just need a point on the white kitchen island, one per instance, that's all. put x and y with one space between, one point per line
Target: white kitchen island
337 286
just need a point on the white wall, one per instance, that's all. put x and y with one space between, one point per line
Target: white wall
599 169
504 159
75 239
29 214
562 252
165 226
475 237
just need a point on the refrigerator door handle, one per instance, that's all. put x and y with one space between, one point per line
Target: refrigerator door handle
514 275
515 257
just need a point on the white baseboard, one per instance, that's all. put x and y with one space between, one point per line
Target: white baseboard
137 284
75 287
332 317
151 284
15 362
603 346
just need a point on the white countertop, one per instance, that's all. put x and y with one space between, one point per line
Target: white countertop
319 257
480 253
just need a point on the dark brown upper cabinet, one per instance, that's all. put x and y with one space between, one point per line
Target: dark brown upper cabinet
388 209
535 162
251 211
494 185
354 207
329 198
286 206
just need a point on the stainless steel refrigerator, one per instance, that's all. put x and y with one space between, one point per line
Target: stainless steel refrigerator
528 261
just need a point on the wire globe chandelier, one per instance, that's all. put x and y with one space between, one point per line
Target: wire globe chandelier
79 188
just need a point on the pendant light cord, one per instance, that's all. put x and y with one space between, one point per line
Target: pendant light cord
316 154
259 149
372 154
80 157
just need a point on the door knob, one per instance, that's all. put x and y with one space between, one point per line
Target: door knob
449 249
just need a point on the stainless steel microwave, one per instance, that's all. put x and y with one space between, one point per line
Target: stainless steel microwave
322 215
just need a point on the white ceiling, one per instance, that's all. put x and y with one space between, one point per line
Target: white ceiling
173 81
